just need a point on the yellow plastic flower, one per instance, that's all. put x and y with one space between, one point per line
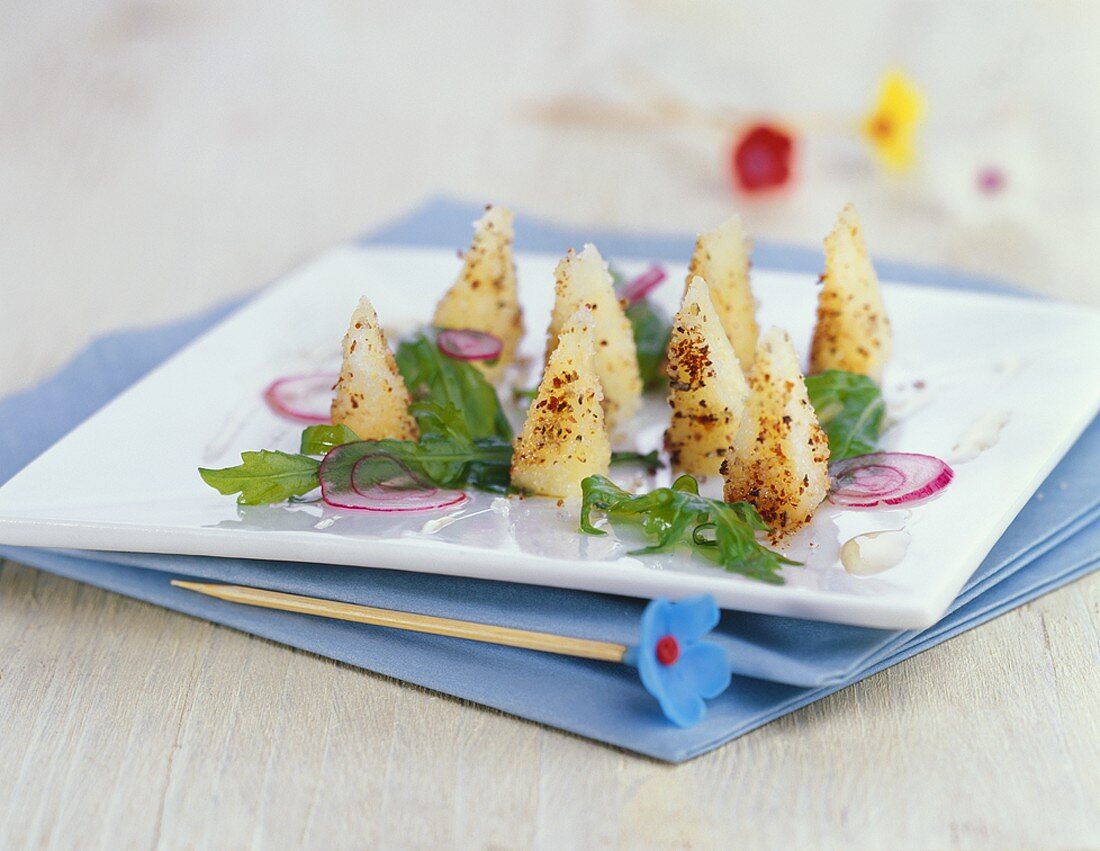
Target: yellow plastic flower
892 125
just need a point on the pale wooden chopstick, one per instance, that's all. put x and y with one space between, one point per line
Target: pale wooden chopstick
544 641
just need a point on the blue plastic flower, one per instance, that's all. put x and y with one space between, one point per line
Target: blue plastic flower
675 666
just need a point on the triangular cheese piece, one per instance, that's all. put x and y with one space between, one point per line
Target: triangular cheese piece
853 330
484 298
582 280
371 397
779 460
563 439
722 258
707 390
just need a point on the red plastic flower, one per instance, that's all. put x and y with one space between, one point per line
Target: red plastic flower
761 158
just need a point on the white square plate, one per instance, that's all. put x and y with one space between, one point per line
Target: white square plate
960 360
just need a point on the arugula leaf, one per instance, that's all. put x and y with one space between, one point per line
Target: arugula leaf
850 408
436 461
724 533
265 476
319 439
651 335
433 377
652 330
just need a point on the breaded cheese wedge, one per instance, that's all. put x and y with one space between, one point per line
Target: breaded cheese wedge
853 330
371 397
484 298
721 259
582 280
707 390
779 460
563 439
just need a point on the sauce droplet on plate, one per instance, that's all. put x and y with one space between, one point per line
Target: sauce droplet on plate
979 437
874 552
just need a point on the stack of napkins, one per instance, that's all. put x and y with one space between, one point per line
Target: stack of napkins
779 663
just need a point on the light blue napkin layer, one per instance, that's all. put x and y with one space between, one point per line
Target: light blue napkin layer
794 662
598 700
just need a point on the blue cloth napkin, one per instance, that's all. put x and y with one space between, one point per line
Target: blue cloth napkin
781 663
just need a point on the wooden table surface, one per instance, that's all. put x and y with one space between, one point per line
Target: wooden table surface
156 158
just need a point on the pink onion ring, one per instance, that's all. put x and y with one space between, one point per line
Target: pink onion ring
644 284
302 398
466 344
385 500
887 478
401 490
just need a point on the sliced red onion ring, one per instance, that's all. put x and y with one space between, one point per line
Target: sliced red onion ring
302 398
465 344
644 284
385 500
377 481
887 478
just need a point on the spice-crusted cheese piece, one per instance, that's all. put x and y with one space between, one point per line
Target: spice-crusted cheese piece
853 331
707 390
563 439
582 280
371 397
484 298
721 259
779 460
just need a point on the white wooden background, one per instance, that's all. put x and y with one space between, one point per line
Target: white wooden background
159 157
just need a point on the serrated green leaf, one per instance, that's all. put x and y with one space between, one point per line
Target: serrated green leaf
850 409
652 330
264 477
450 385
434 461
